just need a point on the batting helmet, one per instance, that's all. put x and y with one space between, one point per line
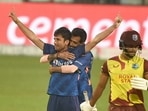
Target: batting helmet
130 38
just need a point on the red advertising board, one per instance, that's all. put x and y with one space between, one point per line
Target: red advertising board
44 18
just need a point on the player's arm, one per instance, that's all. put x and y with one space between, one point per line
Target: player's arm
48 57
91 105
66 69
146 69
99 37
63 55
78 65
146 76
99 89
27 32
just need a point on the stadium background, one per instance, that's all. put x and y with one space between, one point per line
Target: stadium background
23 80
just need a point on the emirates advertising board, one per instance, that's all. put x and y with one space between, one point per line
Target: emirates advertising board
44 18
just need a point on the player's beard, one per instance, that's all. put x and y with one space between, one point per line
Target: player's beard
129 54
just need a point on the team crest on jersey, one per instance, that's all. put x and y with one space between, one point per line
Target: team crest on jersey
135 66
135 37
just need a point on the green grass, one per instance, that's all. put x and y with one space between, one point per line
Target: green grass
23 84
24 81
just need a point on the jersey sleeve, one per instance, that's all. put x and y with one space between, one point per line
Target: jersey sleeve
48 49
79 51
84 61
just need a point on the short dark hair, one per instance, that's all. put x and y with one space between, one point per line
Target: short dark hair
65 32
80 32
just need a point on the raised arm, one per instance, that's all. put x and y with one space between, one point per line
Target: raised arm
26 31
99 37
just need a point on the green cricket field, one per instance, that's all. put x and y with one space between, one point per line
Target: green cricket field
24 82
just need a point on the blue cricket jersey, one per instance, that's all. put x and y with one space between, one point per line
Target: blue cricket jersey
63 84
84 63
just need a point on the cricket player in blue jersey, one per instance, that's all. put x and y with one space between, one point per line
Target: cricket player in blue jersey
74 77
62 88
83 64
58 101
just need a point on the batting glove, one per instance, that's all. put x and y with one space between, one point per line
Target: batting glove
85 106
139 83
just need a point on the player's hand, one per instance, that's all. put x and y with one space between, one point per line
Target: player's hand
13 17
117 21
51 70
85 106
139 83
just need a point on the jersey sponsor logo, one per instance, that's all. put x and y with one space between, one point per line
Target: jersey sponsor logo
125 78
61 62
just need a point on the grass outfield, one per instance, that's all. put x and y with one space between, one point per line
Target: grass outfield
24 81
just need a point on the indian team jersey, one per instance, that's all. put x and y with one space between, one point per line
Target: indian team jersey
84 63
63 84
121 72
49 49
